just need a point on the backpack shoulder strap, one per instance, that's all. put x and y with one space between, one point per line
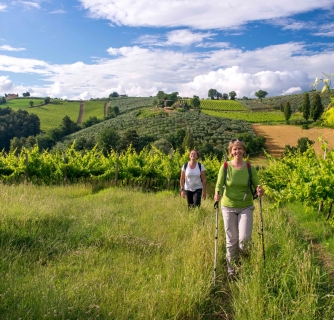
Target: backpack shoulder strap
250 182
200 166
225 171
249 171
185 166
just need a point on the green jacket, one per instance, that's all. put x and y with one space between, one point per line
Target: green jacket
236 186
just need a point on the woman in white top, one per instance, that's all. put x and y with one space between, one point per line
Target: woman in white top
193 180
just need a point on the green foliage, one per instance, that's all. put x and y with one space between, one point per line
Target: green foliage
317 108
163 145
107 140
232 95
287 111
302 176
114 95
195 102
255 116
253 145
303 145
306 107
261 94
3 100
16 124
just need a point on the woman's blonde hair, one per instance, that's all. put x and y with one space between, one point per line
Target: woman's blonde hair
234 142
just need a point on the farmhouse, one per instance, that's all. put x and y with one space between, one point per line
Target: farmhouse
11 96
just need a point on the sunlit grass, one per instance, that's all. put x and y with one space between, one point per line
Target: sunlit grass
66 252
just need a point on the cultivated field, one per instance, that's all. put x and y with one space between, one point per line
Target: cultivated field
278 136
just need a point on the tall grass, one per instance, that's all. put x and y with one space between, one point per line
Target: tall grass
69 253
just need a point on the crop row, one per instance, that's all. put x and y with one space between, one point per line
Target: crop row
204 128
71 165
256 116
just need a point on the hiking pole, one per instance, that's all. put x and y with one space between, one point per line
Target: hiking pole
216 244
262 236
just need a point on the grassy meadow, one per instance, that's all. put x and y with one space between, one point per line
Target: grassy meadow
71 253
267 117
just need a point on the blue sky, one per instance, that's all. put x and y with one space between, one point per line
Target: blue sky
82 49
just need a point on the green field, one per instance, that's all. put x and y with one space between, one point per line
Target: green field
22 103
69 253
256 116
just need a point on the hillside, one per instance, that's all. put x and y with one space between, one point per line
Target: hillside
204 128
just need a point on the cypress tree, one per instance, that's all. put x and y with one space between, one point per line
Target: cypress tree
306 107
317 108
287 111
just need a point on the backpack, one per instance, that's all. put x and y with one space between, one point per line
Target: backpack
249 185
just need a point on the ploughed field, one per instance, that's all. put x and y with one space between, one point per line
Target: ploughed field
278 136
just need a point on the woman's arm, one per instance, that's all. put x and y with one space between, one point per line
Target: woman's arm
203 177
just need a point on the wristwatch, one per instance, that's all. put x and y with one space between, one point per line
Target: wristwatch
181 189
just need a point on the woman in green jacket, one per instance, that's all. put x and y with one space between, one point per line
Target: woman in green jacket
237 203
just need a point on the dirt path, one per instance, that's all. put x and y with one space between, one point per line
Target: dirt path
106 105
81 112
278 136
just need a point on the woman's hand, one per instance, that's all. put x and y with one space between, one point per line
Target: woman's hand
259 191
217 197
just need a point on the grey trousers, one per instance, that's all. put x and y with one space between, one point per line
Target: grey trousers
238 224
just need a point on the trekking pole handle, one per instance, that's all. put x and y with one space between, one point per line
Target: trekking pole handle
216 203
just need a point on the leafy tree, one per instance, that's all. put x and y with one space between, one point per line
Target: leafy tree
317 108
3 100
232 95
212 94
129 137
163 145
108 139
166 99
113 95
112 112
83 143
195 102
16 124
145 140
287 111
176 139
91 121
47 100
26 94
31 103
188 142
45 141
161 95
261 94
206 149
225 96
306 106
68 126
303 144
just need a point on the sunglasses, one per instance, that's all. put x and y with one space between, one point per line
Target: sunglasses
234 140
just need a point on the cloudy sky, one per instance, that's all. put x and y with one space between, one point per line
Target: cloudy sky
82 49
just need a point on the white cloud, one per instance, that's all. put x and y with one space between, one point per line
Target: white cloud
27 4
3 7
143 72
199 14
5 85
57 12
326 30
9 48
186 37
